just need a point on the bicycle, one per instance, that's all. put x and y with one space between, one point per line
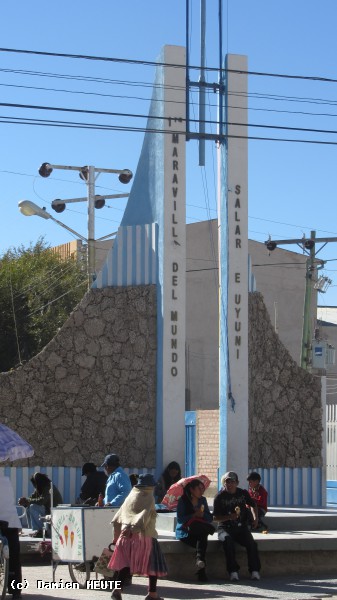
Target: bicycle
4 561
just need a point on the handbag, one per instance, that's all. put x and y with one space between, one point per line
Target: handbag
198 527
101 566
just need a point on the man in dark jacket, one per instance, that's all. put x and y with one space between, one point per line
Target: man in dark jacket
94 484
231 510
39 503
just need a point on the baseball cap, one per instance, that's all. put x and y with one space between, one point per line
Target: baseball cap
230 475
111 460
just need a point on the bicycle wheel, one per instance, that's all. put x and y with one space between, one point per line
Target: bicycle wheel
4 568
79 573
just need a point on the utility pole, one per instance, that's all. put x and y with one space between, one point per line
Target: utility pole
308 245
88 174
306 332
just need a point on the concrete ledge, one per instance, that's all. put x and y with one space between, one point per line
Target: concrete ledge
281 553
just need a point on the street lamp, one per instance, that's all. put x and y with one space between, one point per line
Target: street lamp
29 209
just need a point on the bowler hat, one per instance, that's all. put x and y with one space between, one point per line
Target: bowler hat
146 480
111 460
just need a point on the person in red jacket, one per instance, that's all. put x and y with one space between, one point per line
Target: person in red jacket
259 494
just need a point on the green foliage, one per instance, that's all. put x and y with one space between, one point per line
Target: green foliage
38 291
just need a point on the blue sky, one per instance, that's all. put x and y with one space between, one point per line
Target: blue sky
292 186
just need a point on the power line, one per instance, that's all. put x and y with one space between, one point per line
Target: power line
259 96
198 206
164 64
160 118
55 299
95 126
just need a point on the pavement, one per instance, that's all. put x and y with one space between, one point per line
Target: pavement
273 588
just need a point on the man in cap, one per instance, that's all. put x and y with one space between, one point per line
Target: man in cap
118 484
231 511
94 484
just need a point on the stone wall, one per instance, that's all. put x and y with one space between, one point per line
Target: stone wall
92 390
285 412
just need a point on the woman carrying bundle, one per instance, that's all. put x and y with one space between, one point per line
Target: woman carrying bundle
137 549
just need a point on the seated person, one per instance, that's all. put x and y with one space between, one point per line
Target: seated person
194 523
170 475
231 510
94 484
118 485
39 503
259 494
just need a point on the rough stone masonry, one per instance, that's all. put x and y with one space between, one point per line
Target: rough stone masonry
92 390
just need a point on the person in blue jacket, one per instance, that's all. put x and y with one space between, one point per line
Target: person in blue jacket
194 523
118 484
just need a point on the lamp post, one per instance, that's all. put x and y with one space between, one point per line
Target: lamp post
89 174
28 208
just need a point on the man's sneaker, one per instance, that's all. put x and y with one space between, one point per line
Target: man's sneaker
200 564
255 576
234 576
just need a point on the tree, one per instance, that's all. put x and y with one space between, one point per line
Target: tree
38 291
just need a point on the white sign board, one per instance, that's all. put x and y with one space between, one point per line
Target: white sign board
79 533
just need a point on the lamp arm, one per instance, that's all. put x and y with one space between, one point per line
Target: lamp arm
69 229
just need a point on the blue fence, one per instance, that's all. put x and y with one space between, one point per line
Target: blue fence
67 479
331 493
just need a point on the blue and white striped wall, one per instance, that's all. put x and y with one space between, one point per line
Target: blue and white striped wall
133 258
293 486
68 480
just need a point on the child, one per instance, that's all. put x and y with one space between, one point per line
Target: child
259 494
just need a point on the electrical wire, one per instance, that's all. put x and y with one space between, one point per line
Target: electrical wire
96 127
14 316
252 95
163 118
164 64
55 299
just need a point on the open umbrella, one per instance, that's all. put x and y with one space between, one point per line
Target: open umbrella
177 489
12 446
